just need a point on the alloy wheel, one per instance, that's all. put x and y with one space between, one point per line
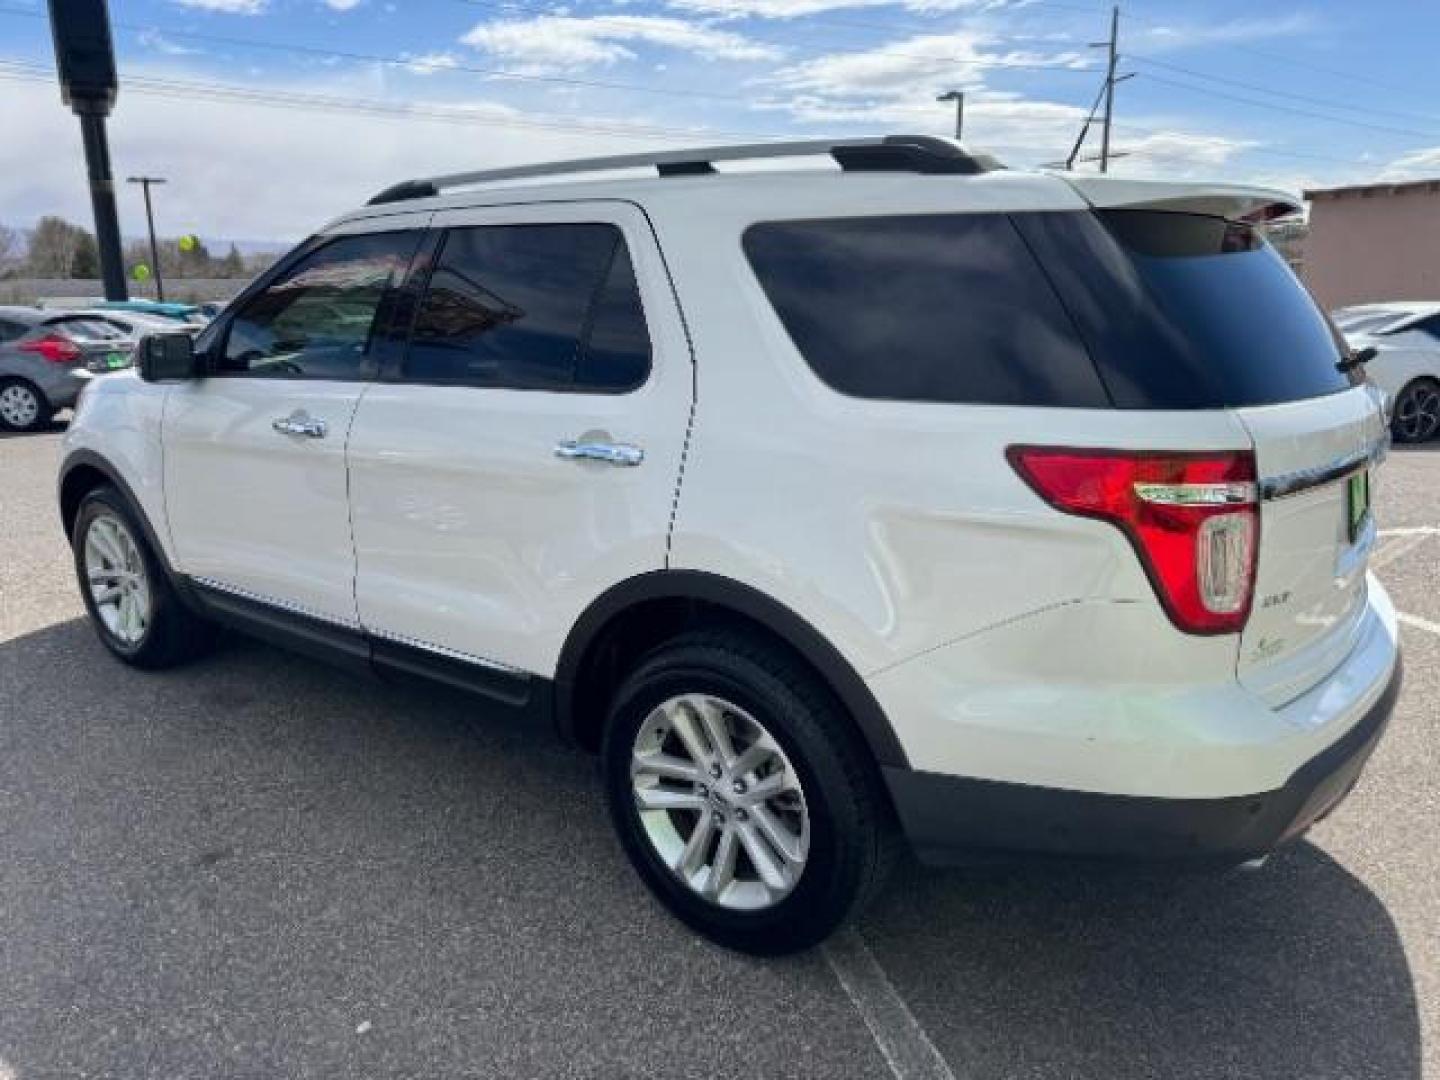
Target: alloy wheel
1417 413
19 405
720 802
115 574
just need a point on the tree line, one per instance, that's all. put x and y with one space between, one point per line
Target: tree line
61 249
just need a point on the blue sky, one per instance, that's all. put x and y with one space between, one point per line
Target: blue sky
268 116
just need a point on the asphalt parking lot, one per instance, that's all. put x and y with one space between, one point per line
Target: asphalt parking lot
259 867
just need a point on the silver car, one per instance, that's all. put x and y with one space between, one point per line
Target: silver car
46 357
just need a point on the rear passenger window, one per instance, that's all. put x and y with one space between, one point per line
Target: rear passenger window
923 308
537 307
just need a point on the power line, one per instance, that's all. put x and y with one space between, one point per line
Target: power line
1325 102
1291 109
186 90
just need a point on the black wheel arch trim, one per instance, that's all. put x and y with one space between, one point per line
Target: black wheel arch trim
725 592
90 459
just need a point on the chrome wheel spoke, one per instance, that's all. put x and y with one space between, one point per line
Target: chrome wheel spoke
660 798
781 838
692 858
763 858
664 766
722 870
712 717
685 725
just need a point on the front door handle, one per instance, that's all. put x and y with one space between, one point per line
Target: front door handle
608 452
300 423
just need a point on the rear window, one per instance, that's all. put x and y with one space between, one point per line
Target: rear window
86 328
1187 311
949 308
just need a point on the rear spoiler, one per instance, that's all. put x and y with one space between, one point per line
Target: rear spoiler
1238 202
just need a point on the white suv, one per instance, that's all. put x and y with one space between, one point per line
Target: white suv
1003 511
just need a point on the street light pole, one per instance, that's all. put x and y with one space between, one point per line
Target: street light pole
145 182
957 96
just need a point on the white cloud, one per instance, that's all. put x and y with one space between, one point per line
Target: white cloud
553 42
794 9
342 5
228 7
154 39
1421 164
430 63
1233 31
913 67
221 157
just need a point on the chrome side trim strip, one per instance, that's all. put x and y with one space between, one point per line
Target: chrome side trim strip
1293 483
447 652
384 635
270 601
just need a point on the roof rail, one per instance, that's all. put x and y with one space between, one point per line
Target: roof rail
887 153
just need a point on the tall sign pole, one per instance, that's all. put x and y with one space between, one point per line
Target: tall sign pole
85 60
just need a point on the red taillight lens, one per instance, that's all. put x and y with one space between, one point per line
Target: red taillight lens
53 347
1192 518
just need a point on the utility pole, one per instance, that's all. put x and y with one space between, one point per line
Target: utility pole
957 96
1110 88
145 182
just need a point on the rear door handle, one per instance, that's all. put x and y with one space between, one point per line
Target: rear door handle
300 423
610 453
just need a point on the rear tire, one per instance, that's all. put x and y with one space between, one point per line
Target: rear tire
821 847
133 607
1415 415
23 407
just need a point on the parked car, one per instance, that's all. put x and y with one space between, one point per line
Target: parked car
181 313
137 324
994 510
45 359
1406 365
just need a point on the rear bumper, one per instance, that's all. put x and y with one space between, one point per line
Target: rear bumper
951 819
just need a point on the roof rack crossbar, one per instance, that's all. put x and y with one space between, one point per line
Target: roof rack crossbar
895 153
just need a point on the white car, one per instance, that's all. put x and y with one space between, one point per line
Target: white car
1406 365
828 505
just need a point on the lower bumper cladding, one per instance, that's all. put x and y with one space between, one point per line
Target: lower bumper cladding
952 820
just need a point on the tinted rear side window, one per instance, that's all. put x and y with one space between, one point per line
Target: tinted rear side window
948 308
544 307
1187 311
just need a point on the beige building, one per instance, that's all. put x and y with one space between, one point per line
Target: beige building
1374 242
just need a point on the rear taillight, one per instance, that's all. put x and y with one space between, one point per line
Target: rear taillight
53 347
1192 518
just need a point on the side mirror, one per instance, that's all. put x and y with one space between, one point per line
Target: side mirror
167 355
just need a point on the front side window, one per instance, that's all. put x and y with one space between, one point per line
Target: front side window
317 319
538 307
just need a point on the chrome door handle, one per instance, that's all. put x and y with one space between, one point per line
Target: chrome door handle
300 423
610 453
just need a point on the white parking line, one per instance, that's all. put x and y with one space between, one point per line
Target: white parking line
1406 541
1412 530
1417 622
902 1041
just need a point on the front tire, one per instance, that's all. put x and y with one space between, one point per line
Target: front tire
134 609
1415 416
22 406
743 795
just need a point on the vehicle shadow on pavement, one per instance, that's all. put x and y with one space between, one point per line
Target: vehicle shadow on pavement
230 869
1296 970
257 866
